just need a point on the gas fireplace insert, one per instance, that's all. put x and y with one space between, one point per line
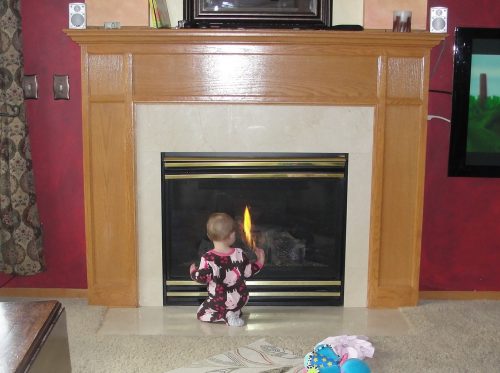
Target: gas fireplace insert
291 205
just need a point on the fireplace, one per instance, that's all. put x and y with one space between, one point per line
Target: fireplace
125 69
293 206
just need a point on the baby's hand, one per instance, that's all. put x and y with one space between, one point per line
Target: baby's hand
261 255
192 268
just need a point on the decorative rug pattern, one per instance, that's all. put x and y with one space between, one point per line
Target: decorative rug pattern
257 357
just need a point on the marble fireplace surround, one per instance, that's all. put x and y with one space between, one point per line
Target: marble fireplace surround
383 72
253 128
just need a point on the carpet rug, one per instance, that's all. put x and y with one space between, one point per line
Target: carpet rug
257 357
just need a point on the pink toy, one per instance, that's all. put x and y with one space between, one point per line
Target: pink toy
341 354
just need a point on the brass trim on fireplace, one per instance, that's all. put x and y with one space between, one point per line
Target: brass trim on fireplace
186 293
293 283
259 294
262 283
255 176
294 294
327 162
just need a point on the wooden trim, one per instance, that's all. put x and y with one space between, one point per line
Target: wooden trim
138 36
385 70
43 292
460 295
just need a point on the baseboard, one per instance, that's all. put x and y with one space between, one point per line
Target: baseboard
460 295
43 292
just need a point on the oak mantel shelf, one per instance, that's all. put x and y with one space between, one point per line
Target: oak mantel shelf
145 35
388 71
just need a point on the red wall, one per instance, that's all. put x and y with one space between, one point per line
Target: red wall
56 143
461 232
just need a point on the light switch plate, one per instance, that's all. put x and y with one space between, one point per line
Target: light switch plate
61 87
30 87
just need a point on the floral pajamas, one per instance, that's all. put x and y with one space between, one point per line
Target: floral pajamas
225 276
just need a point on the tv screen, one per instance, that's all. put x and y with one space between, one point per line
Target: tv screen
475 120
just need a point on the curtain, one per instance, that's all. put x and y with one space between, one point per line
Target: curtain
20 229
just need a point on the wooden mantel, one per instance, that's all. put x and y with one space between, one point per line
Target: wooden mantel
385 70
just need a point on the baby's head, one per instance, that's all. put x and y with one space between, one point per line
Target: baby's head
220 226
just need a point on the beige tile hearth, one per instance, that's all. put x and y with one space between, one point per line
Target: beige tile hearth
261 321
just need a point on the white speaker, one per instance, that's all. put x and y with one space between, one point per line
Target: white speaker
77 16
438 20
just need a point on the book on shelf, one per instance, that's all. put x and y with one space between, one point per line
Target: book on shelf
158 14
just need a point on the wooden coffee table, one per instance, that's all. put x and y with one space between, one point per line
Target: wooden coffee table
33 337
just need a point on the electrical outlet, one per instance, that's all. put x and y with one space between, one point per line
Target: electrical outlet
30 87
61 87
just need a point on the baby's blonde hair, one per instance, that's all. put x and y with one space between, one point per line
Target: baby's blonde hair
220 226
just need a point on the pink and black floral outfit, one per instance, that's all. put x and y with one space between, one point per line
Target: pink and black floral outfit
225 276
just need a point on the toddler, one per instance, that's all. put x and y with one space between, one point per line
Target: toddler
224 270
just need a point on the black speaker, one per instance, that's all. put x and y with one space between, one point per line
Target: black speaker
77 16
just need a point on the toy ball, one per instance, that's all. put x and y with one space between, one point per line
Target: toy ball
355 366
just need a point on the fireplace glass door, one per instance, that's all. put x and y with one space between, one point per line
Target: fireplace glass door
295 211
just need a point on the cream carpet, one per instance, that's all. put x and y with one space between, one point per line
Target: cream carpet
447 336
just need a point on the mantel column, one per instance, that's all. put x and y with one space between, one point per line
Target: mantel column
109 167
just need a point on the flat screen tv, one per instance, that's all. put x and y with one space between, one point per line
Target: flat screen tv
475 118
257 13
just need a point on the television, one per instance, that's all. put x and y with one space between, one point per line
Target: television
257 13
475 118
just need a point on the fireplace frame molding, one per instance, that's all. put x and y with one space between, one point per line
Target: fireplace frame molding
385 70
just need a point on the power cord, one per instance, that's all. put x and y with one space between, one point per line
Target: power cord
438 59
430 117
441 91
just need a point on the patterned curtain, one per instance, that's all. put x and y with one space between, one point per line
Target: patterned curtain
20 229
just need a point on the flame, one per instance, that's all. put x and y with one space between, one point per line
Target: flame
247 227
